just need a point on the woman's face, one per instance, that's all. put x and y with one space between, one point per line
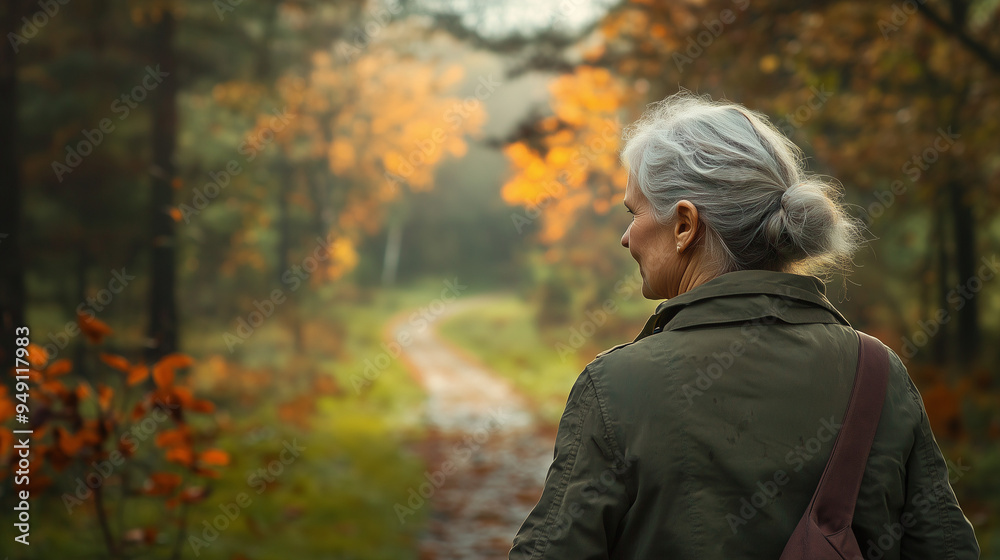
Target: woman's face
652 245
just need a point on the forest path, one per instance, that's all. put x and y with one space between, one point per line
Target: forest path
486 455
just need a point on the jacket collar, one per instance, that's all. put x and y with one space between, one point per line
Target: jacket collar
746 295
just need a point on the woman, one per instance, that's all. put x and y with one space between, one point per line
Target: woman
705 437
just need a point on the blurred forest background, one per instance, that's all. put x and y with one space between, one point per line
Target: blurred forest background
282 260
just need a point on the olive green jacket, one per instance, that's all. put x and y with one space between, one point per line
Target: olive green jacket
704 438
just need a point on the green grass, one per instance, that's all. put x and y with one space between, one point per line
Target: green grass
337 499
543 365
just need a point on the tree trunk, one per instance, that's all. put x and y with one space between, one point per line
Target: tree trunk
942 342
163 328
963 222
393 245
12 289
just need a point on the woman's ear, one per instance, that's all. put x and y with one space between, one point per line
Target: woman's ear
685 225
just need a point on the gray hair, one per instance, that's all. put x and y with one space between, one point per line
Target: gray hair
758 207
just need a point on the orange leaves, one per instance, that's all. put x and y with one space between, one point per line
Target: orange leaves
94 329
214 457
68 443
203 406
161 484
59 367
174 438
117 362
178 445
137 374
944 406
37 356
181 455
104 396
164 370
55 388
176 361
163 376
6 443
103 444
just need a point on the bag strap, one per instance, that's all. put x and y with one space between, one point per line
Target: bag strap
832 505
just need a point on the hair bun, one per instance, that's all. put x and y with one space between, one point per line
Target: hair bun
807 222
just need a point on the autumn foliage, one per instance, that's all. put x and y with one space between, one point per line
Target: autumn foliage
130 438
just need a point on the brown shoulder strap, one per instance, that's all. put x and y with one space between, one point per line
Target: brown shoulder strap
832 507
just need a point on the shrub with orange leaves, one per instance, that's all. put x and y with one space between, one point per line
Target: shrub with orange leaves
98 427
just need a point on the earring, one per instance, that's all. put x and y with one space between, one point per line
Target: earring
678 247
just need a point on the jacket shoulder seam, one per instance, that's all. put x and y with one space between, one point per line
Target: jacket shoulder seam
568 471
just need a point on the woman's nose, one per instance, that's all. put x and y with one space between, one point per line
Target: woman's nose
625 236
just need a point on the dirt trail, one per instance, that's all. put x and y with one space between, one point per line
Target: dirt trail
486 456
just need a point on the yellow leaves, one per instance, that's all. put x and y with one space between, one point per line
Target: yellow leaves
398 126
576 170
588 93
457 147
451 76
343 258
238 94
768 64
342 156
558 156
